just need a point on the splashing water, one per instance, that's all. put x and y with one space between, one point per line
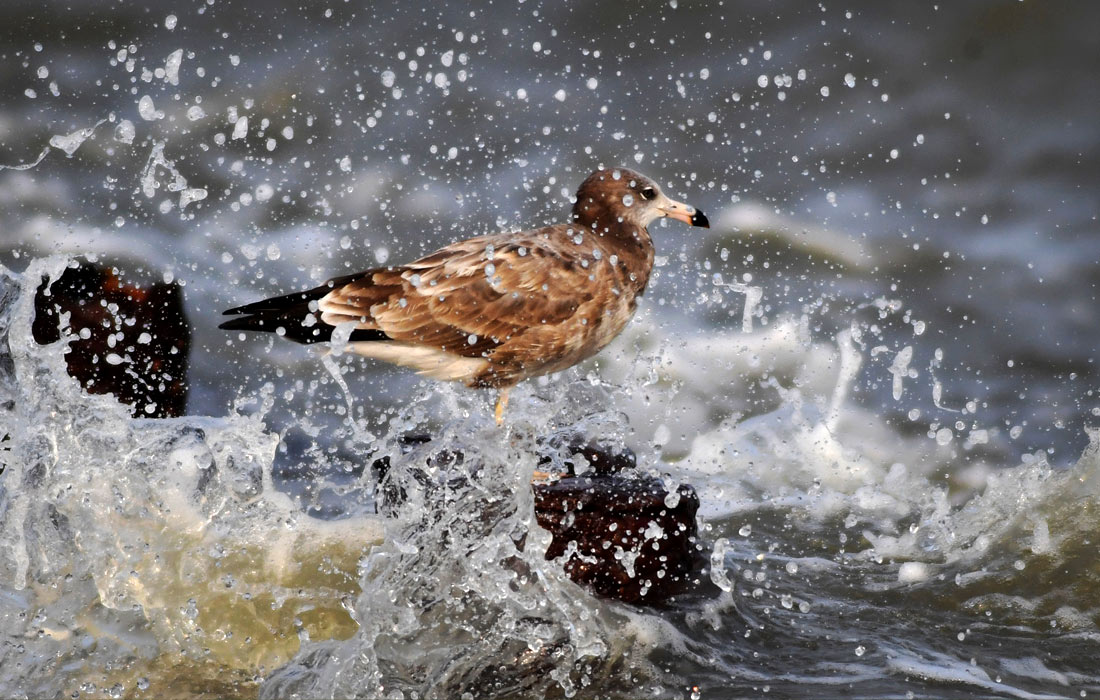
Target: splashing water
151 548
160 550
145 554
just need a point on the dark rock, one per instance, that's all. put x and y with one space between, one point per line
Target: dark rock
625 538
622 535
143 326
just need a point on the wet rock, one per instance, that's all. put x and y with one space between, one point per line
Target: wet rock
625 538
128 340
623 535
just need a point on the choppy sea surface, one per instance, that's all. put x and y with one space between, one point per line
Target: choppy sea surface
877 368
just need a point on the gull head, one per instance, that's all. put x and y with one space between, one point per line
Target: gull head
621 195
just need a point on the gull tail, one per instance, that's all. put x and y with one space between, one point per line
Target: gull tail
294 316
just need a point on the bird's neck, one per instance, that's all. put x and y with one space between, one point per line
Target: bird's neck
636 250
629 243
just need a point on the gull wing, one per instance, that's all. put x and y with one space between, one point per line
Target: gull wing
472 297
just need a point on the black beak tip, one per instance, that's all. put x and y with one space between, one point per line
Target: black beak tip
700 219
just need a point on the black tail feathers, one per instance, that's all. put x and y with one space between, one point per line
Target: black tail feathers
290 316
299 324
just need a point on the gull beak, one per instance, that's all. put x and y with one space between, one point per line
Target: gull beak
683 212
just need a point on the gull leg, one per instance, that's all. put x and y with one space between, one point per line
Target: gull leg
502 402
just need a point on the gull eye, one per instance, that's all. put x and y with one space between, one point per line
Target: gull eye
648 193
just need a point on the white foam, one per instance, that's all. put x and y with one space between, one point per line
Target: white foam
947 669
913 572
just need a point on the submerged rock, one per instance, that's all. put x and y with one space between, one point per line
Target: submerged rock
126 340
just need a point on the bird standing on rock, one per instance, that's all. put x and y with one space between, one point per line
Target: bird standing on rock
494 310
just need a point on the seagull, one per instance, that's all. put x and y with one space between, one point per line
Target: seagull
494 310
